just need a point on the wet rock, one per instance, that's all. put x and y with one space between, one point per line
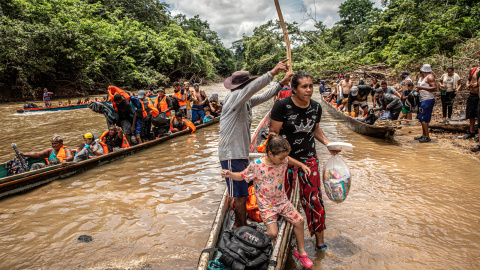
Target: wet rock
85 239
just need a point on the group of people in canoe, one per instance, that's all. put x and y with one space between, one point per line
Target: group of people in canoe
290 153
184 109
400 103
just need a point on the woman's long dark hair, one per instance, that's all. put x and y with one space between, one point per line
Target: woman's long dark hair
297 77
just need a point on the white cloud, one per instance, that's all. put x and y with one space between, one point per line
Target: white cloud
231 19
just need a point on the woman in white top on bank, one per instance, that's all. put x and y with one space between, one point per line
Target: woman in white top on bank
450 84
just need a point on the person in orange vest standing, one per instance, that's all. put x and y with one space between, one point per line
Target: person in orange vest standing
181 96
163 102
54 155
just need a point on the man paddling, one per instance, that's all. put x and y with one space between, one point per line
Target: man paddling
235 123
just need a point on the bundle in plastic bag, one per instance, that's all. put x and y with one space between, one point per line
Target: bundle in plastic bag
336 179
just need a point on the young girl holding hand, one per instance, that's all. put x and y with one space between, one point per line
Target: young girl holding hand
268 174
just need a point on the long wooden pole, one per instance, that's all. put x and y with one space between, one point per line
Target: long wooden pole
285 34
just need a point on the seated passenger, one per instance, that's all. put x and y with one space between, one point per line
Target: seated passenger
113 139
60 104
213 106
91 149
53 156
179 123
208 117
79 148
69 103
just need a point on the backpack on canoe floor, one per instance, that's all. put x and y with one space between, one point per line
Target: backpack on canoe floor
244 248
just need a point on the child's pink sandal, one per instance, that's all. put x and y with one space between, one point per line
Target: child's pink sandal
307 263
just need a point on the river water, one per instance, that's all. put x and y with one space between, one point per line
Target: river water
411 205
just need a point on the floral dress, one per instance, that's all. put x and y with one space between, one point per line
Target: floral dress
270 191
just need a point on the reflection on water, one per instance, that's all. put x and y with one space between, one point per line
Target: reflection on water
409 207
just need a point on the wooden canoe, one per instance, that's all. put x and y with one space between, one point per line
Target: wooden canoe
61 108
23 182
224 220
357 126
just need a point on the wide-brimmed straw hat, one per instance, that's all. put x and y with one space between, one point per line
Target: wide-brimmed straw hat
238 80
426 68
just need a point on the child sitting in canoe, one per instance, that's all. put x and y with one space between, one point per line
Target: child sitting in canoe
268 174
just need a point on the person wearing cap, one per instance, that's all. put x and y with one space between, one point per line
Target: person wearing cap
47 97
361 82
388 102
321 87
54 155
214 106
406 107
91 149
199 99
427 87
358 98
126 115
235 124
164 102
405 80
450 84
149 111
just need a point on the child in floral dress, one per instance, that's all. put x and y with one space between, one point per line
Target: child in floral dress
268 174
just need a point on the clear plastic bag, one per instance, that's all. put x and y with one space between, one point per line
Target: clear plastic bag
336 179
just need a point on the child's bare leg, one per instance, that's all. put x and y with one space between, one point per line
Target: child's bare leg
300 236
272 230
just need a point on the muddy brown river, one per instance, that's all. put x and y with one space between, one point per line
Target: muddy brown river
411 205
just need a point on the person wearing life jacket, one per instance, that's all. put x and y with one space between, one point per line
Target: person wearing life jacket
69 103
285 92
163 102
139 115
149 112
92 148
47 97
57 154
179 123
113 139
181 96
126 115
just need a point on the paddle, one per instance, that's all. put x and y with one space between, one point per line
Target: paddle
285 34
25 167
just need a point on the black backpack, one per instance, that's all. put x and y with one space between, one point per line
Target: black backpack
245 248
371 118
175 104
413 100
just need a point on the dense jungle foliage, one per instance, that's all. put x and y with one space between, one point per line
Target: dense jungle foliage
404 35
73 46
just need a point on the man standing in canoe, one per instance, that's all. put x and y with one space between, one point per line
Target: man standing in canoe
235 123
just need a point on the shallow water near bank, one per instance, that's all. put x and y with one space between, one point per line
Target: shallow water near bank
411 205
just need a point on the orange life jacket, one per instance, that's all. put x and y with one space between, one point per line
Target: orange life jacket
153 110
112 90
189 124
163 105
179 94
69 103
61 155
125 143
252 206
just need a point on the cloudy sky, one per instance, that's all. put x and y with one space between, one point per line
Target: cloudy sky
233 18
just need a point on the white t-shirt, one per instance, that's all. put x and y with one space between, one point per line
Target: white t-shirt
450 82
